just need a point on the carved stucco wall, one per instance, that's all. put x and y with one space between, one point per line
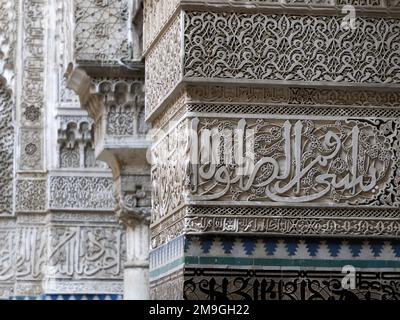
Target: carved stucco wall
278 129
58 233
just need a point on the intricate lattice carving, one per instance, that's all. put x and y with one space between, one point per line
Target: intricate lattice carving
343 161
6 152
291 48
101 32
83 193
163 66
156 15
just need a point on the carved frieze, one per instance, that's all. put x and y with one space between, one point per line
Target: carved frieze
41 257
31 252
33 57
31 146
211 137
340 161
275 97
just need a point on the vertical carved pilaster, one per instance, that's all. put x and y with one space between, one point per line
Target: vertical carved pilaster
272 119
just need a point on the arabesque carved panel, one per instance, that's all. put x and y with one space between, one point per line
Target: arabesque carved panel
6 152
313 49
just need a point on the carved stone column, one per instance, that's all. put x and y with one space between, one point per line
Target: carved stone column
276 160
108 75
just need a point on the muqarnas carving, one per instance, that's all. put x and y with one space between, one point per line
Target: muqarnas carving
75 143
125 107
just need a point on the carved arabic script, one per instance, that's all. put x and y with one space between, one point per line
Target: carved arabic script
343 161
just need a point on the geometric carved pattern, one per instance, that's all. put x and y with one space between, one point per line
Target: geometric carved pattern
31 195
31 149
275 125
295 212
101 30
295 110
